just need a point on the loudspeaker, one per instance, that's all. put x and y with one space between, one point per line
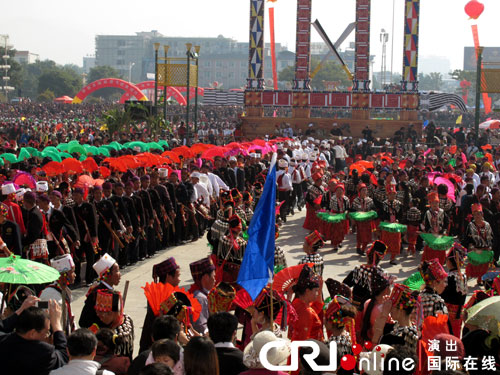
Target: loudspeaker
139 110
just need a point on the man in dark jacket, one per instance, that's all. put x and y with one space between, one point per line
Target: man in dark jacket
222 331
33 327
32 218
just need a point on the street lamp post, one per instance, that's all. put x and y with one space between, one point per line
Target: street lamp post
188 53
165 50
156 47
197 56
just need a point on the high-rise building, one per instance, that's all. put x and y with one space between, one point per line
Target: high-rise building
26 57
222 60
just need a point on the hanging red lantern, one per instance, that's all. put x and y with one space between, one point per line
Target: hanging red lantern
474 9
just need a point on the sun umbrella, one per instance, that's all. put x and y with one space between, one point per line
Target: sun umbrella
491 124
213 152
84 181
172 156
54 155
183 151
63 146
23 154
198 148
15 270
485 314
102 151
78 148
105 172
449 184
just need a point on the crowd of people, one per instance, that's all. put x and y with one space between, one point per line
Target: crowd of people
400 200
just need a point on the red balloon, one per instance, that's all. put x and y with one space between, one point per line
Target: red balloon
348 362
474 9
356 349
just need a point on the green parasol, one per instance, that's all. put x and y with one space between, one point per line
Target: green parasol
331 218
437 242
143 146
363 216
414 282
65 155
478 258
154 145
92 149
51 149
15 270
11 158
116 145
486 314
392 227
52 155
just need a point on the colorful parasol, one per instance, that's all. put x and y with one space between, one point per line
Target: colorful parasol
331 218
486 314
437 242
15 270
392 227
363 216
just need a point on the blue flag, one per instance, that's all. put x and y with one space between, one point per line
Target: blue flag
258 263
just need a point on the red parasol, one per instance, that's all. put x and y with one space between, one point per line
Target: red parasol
198 148
259 142
84 181
72 166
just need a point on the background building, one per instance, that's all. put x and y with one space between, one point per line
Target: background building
26 57
490 54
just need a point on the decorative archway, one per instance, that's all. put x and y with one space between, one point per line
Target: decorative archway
128 87
176 92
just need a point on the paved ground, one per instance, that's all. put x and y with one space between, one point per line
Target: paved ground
337 266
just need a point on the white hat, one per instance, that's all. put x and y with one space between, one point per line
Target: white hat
373 364
163 172
275 356
103 264
204 179
282 163
292 163
253 155
195 175
42 186
20 193
232 158
8 189
62 263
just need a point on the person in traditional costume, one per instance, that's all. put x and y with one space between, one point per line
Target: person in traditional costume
339 204
231 250
220 298
380 287
257 192
166 272
479 240
436 223
203 273
247 206
221 224
338 314
313 202
400 330
279 254
455 293
262 319
109 276
360 277
313 242
414 219
109 309
59 290
435 278
308 325
364 227
391 212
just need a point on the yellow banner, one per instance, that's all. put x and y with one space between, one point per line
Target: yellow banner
176 75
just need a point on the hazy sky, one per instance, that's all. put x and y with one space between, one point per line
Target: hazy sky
65 31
